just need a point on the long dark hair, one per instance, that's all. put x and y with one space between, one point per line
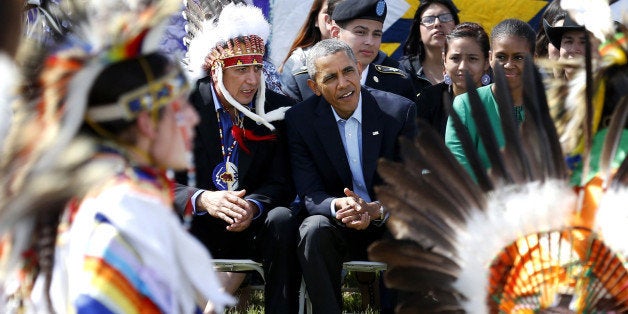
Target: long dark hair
551 12
517 28
122 77
470 30
11 17
309 34
414 46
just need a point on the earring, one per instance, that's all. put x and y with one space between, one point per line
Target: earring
448 80
486 79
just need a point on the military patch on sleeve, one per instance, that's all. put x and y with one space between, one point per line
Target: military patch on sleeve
389 70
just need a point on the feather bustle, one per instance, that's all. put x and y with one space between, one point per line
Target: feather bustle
556 154
419 196
416 223
540 259
467 144
486 133
517 164
451 174
611 142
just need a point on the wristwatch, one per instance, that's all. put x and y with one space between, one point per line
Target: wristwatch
381 211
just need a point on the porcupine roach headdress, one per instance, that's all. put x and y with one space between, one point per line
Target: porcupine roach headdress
222 37
522 238
45 163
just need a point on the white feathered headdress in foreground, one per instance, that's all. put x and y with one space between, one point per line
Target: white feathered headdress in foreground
54 98
236 36
521 238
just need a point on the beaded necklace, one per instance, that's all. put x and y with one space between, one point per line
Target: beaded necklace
227 154
518 113
225 174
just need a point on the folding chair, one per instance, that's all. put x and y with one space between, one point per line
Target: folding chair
231 265
361 266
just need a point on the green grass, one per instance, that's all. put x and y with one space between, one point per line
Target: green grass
352 304
253 300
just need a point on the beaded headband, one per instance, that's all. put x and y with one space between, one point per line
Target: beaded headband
150 97
242 50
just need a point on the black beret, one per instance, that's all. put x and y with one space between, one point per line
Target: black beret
360 9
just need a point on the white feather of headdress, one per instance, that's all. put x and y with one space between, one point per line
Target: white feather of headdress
234 21
612 218
275 115
119 16
239 106
7 93
239 20
574 107
595 15
512 212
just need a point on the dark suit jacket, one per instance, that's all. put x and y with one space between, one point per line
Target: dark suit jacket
264 173
385 74
319 163
431 109
412 66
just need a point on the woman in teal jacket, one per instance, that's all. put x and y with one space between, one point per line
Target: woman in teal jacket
511 41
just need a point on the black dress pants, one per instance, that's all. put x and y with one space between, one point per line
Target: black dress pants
271 241
323 246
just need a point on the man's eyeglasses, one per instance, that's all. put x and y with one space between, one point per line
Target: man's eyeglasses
429 20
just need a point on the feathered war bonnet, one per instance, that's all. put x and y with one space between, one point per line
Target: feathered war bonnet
102 33
236 37
43 155
45 163
135 34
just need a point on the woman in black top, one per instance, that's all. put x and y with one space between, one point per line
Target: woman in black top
422 51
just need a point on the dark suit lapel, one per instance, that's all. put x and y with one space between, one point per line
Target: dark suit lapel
244 159
372 135
326 128
208 128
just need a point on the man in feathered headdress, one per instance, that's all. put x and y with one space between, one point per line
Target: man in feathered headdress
238 204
